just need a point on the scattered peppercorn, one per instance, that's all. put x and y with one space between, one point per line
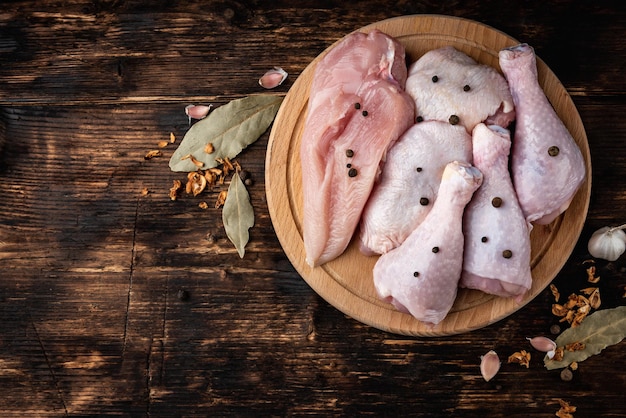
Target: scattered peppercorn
349 165
507 253
349 153
244 175
416 273
248 182
496 202
364 113
555 329
484 239
553 151
424 201
419 119
466 87
352 172
566 374
357 106
435 250
454 120
418 169
435 79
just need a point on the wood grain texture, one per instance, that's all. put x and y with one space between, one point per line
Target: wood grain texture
91 323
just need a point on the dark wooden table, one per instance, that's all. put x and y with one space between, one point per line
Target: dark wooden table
113 302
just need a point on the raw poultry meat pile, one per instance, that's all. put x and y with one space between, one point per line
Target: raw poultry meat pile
422 164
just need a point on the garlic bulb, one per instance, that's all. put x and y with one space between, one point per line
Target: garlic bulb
608 243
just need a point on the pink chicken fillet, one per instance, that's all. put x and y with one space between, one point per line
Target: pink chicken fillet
421 276
357 109
546 164
497 237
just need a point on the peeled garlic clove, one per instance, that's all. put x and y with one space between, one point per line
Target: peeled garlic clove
607 243
197 111
489 365
273 78
543 344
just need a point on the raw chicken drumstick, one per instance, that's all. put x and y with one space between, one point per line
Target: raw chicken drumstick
497 236
421 276
409 182
546 164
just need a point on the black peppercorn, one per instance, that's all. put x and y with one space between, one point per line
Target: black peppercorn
553 151
424 201
454 120
416 273
435 250
466 88
352 172
435 79
418 169
364 113
357 106
349 153
496 202
507 253
484 239
419 119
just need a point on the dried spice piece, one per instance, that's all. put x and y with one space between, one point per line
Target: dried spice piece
352 172
195 161
454 120
145 191
172 138
424 201
238 214
196 183
496 202
598 331
209 148
507 253
489 365
566 410
566 375
575 346
152 154
230 128
553 151
177 184
555 292
591 275
574 365
162 144
221 198
521 357
203 205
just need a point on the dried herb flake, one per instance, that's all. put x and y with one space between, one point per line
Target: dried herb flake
238 214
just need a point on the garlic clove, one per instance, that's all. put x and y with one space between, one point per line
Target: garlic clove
489 365
543 344
197 111
273 78
607 243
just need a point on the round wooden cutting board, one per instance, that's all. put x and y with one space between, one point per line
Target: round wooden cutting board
347 282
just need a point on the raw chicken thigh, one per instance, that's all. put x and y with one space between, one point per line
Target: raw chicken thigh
497 237
546 164
357 109
409 182
448 85
421 276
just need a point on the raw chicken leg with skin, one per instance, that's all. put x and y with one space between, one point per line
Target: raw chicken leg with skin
497 236
546 164
445 82
421 276
409 182
357 109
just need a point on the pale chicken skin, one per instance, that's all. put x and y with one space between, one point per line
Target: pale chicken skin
497 236
546 164
357 109
421 276
409 183
448 85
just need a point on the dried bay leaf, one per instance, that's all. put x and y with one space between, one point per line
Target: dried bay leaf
597 331
230 128
238 214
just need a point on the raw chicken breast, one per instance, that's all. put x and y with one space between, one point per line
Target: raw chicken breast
357 109
446 82
497 237
409 182
421 276
546 164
